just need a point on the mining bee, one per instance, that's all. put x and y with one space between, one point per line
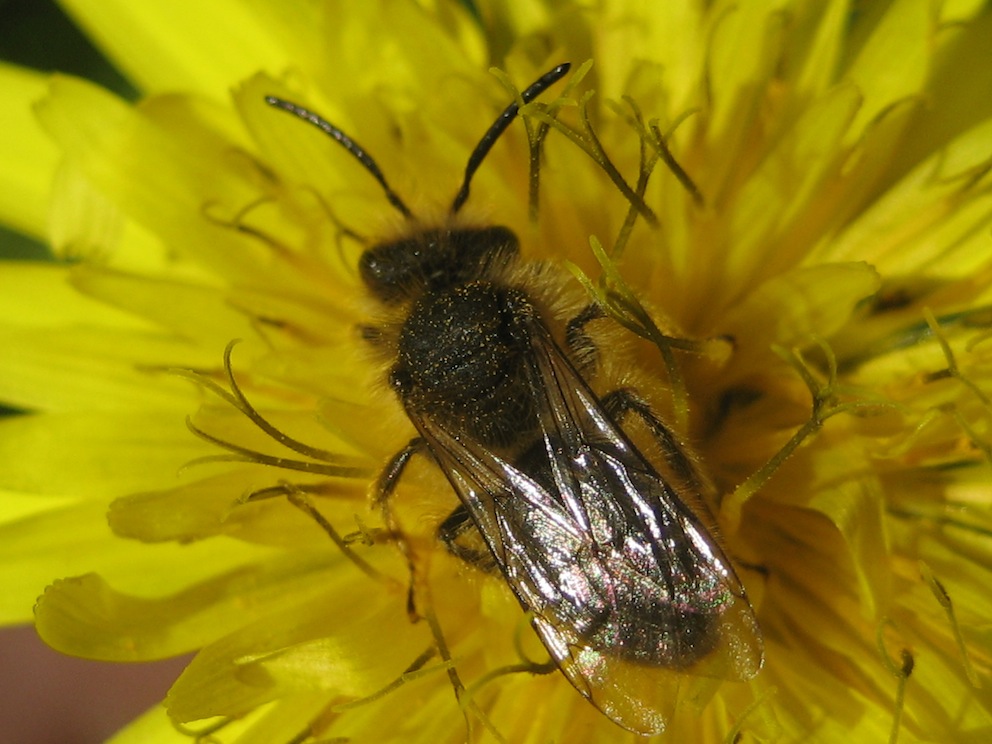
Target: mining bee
627 586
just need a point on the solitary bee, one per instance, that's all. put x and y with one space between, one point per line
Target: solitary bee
628 588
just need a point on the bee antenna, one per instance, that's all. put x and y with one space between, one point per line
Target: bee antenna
357 151
499 126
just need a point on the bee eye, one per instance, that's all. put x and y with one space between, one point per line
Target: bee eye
392 271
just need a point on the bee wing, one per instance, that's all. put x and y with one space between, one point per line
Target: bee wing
629 590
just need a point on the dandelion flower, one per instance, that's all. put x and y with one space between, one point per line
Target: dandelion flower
785 211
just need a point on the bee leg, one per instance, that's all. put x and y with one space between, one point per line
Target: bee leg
452 528
285 488
384 486
583 351
621 402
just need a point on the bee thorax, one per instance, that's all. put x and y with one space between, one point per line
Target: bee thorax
461 358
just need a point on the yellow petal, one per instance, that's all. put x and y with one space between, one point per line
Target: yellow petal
855 507
902 33
153 727
84 223
934 220
670 35
197 313
214 506
781 203
744 43
938 687
957 97
61 542
162 182
84 616
230 677
824 50
186 45
792 308
83 455
93 369
281 721
15 505
27 157
40 295
413 49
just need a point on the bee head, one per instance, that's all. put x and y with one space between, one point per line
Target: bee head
435 260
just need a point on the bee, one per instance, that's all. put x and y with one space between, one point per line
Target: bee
628 588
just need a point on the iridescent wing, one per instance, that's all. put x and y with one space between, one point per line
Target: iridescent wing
628 589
